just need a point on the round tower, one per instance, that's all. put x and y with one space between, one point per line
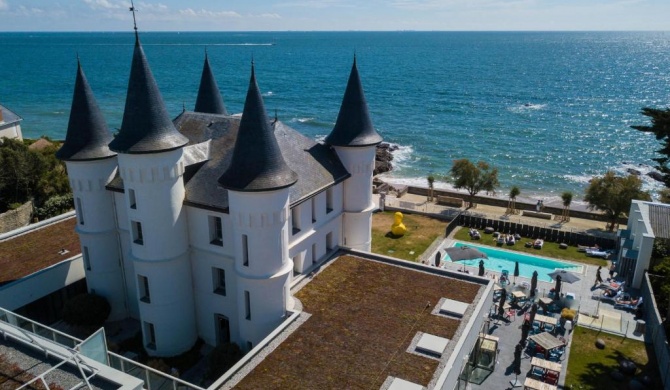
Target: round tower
258 182
355 140
90 166
150 163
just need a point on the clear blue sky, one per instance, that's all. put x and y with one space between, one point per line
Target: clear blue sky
280 15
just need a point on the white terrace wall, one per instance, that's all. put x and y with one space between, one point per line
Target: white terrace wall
655 334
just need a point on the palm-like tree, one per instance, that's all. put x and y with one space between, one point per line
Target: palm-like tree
513 193
431 180
567 200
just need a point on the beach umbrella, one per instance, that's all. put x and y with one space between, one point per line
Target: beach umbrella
517 359
533 311
525 329
567 277
481 267
438 257
557 288
516 270
503 297
457 253
533 284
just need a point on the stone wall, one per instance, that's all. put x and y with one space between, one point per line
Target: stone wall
17 218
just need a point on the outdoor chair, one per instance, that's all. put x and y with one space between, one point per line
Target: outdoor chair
552 380
549 328
537 372
510 315
554 357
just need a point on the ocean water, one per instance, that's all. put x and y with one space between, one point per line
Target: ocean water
548 109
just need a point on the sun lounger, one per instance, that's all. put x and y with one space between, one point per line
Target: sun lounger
598 253
538 243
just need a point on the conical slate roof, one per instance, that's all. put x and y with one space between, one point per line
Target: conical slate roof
87 133
209 98
353 126
146 126
257 163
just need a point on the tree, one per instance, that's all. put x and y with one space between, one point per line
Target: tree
613 195
513 193
660 127
567 200
664 195
474 178
431 180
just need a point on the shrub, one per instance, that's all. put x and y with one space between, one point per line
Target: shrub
86 310
221 359
568 314
56 205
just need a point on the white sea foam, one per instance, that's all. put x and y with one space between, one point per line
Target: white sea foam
302 120
268 93
403 155
648 183
320 138
526 107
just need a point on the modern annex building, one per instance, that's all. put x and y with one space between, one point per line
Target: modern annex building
196 226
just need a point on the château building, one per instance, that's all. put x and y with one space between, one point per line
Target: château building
196 226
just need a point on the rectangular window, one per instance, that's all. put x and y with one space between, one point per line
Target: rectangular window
245 250
143 287
313 202
329 242
80 211
87 260
150 335
329 200
131 199
219 279
295 219
215 231
138 237
247 305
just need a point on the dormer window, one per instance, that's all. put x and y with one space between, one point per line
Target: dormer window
215 230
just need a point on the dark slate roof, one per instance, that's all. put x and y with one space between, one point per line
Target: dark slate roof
146 126
317 165
353 126
257 162
659 218
87 133
209 98
8 116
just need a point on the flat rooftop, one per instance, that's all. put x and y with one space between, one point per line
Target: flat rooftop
364 316
27 253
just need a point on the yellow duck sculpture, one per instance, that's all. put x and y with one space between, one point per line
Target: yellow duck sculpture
398 228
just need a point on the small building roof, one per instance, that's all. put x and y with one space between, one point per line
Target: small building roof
257 162
20 256
353 126
209 98
8 116
87 135
146 126
659 218
360 312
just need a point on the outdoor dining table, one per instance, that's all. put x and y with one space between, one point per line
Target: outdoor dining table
546 364
519 295
534 384
545 300
545 319
546 340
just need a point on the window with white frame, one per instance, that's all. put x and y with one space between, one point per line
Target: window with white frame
245 250
80 211
247 305
138 236
143 287
219 280
131 199
150 335
87 260
295 219
313 204
215 230
329 200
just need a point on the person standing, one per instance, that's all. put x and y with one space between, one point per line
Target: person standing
599 278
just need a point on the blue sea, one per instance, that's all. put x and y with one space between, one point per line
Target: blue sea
549 109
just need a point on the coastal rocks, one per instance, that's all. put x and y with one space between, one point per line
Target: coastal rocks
656 176
383 157
634 171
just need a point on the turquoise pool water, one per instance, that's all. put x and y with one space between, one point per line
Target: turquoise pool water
504 260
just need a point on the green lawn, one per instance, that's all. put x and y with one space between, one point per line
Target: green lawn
550 249
590 367
421 232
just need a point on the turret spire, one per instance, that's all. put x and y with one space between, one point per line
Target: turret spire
257 163
209 98
146 126
87 134
353 126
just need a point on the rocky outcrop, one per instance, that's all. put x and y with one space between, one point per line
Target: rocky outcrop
383 158
656 176
17 218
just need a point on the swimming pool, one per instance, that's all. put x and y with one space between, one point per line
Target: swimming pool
504 260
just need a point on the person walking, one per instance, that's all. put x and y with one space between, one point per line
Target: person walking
599 278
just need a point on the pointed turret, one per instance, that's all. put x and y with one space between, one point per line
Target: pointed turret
257 163
209 98
146 126
353 127
87 133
